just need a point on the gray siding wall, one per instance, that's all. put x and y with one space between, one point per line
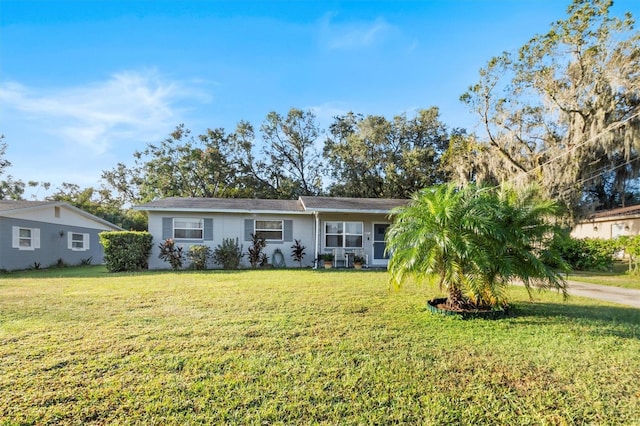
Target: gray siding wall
53 245
218 226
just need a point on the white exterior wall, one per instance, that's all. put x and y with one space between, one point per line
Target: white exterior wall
368 221
47 214
607 228
228 225
154 227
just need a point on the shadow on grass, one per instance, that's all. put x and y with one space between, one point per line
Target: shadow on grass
608 320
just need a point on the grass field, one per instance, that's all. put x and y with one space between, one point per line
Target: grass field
81 346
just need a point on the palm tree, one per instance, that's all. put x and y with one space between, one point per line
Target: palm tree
475 240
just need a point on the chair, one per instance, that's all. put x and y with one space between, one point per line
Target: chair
339 256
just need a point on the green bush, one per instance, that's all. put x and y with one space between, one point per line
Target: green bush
126 250
199 255
228 254
631 245
587 254
170 252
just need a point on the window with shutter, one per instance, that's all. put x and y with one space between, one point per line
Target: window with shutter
77 241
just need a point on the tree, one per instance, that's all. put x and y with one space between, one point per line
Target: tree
355 162
251 175
180 166
563 112
475 240
221 164
293 163
374 157
9 188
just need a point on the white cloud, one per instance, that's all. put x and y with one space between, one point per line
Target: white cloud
353 35
129 105
72 134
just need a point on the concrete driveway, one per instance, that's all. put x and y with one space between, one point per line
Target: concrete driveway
623 296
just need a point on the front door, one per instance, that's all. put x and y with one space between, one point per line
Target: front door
380 257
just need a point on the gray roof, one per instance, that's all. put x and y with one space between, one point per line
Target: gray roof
302 205
223 204
344 204
8 205
620 211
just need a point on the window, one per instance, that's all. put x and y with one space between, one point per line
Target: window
334 234
275 231
25 238
343 234
77 241
187 228
269 229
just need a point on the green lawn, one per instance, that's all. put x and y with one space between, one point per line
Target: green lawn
81 346
618 277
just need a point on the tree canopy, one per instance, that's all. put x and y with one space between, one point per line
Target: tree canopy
563 111
364 156
475 240
375 157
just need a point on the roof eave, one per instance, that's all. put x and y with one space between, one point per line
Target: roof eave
612 217
358 211
205 210
31 208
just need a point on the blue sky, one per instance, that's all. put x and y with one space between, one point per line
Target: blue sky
83 84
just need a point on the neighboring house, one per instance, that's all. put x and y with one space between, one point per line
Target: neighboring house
609 224
41 233
343 226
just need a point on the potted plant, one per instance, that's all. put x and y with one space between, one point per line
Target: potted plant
327 258
358 261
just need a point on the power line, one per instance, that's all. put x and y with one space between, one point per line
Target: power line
582 181
589 140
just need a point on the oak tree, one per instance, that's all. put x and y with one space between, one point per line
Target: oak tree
562 112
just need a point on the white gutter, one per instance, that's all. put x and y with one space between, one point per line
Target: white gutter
316 240
359 211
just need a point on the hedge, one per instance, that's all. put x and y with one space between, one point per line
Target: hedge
126 250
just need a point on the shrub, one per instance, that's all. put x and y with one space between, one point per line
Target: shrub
256 256
297 252
171 253
199 256
631 247
126 250
587 254
228 254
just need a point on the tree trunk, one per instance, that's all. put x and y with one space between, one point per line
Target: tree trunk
456 300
